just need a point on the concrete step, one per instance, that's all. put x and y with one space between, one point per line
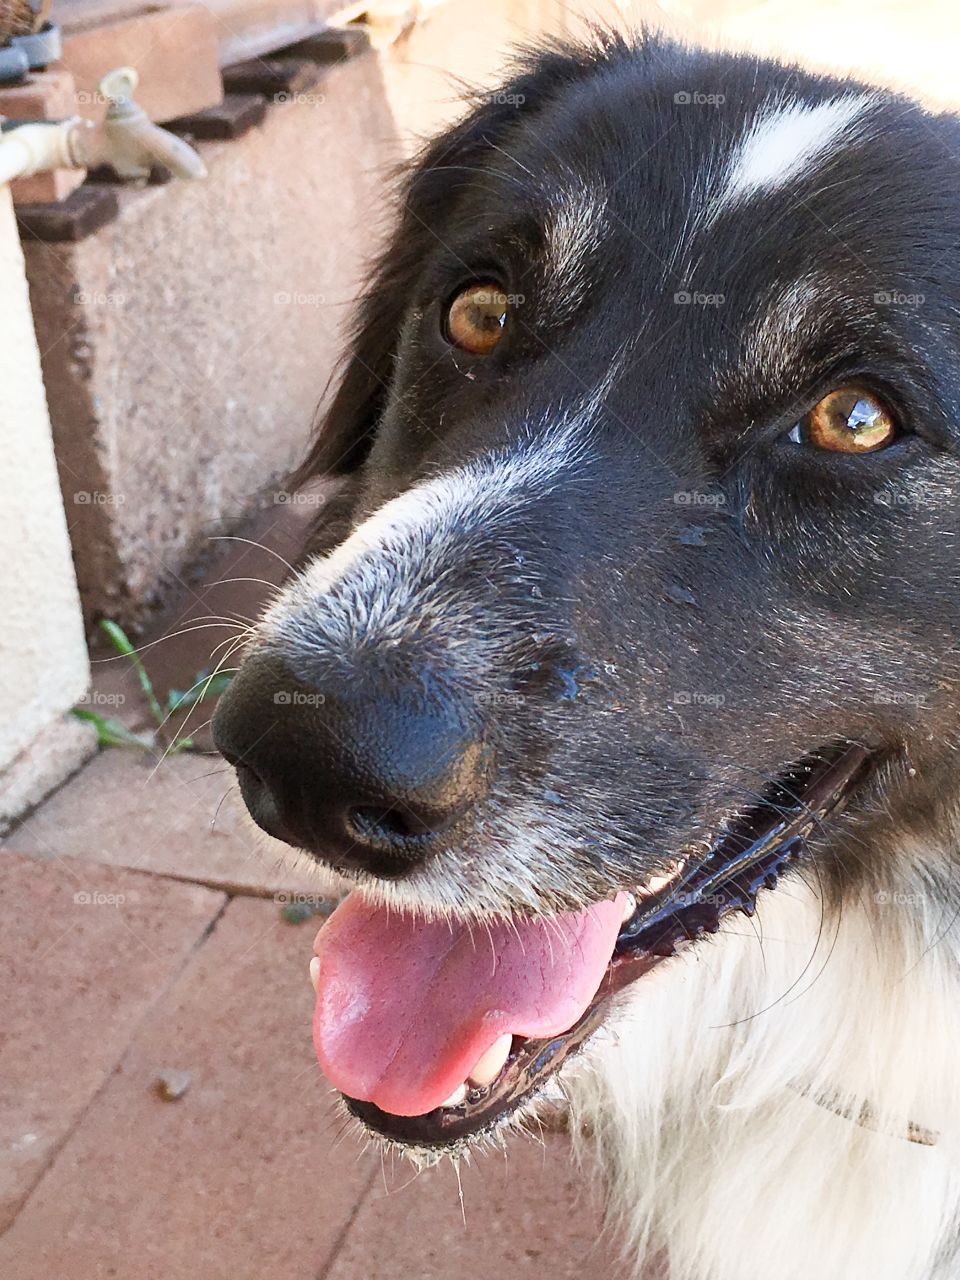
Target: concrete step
182 818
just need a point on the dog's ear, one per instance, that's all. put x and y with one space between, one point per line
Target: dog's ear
345 431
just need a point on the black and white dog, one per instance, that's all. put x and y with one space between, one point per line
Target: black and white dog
628 695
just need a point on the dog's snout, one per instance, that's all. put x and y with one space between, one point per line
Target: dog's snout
365 771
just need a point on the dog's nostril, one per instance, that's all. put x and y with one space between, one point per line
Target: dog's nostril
249 779
386 826
260 801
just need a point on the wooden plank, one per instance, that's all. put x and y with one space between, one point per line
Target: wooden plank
235 116
278 78
332 46
82 213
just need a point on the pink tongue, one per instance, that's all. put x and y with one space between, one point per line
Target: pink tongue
406 1007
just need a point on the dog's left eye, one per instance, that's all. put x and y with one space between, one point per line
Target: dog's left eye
476 318
847 420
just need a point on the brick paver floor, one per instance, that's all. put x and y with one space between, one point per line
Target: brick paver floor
137 940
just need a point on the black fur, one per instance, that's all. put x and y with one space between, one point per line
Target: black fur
702 601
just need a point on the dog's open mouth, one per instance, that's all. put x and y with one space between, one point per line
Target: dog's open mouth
435 1031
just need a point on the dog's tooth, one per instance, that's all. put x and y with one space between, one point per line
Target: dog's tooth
489 1066
629 907
656 884
458 1096
315 974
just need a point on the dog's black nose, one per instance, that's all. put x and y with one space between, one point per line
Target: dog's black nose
365 772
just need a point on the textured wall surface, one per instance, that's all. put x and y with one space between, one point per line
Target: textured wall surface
186 344
43 658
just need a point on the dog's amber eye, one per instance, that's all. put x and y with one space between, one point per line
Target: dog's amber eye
847 420
476 318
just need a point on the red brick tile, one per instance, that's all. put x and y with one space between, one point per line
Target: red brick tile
528 1216
241 1178
85 950
182 818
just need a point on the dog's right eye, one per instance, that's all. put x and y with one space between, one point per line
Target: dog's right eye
476 318
847 420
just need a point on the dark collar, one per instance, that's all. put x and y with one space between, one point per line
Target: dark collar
868 1117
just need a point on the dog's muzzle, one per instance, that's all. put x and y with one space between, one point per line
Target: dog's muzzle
364 769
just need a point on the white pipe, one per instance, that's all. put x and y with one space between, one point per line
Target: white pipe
125 138
32 148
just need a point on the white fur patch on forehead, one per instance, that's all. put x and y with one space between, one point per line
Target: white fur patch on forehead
786 141
574 232
783 323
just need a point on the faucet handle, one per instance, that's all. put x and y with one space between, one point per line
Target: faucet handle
128 140
119 85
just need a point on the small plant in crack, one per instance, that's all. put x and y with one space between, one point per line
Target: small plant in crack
112 732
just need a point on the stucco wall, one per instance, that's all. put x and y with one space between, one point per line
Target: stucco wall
43 658
186 345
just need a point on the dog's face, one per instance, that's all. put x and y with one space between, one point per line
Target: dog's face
651 423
